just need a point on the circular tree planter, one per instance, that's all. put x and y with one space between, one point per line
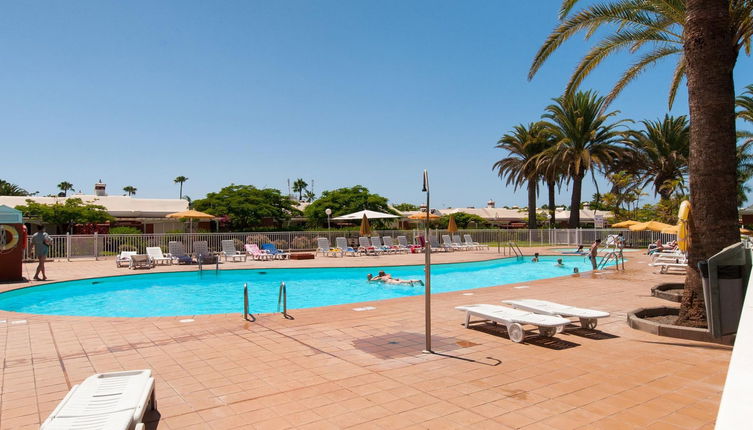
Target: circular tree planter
637 320
668 291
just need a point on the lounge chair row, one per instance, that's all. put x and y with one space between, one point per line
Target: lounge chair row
550 318
667 261
178 255
385 245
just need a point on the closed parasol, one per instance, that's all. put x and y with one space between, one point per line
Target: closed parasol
365 227
452 227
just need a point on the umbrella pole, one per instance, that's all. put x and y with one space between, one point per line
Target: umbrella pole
427 268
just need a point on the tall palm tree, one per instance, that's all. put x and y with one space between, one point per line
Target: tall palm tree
523 145
584 139
131 190
299 186
65 187
551 171
651 29
662 149
745 104
9 189
180 180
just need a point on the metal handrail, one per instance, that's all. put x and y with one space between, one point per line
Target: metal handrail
282 297
515 248
246 313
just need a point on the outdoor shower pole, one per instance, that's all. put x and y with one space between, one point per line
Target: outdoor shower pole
427 267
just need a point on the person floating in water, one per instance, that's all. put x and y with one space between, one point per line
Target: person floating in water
388 279
535 258
559 263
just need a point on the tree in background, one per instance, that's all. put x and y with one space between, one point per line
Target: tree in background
585 140
131 190
744 103
662 150
524 145
65 187
406 207
343 201
299 186
66 215
309 196
8 189
180 180
247 207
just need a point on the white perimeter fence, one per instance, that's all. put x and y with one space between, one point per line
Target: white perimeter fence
99 245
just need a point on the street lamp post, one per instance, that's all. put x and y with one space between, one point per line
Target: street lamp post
427 266
328 211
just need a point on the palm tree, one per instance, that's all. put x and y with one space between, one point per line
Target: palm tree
180 180
584 140
745 102
523 145
65 187
9 189
662 151
652 29
551 172
131 190
299 186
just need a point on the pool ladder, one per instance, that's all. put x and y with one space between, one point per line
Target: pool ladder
282 300
216 264
615 255
514 249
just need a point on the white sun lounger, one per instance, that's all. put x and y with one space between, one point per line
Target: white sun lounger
229 251
107 401
155 253
124 259
588 317
514 319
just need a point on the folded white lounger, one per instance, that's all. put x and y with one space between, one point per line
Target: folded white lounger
587 316
513 319
107 401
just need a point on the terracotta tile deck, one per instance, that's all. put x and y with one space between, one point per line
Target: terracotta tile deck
335 368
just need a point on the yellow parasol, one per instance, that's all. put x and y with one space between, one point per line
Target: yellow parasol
624 224
365 227
683 229
649 225
191 215
421 216
746 232
452 227
673 229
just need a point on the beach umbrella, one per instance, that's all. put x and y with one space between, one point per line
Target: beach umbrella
452 227
365 227
746 232
683 229
191 215
364 213
624 224
673 229
649 225
421 216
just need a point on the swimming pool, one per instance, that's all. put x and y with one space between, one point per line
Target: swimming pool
194 293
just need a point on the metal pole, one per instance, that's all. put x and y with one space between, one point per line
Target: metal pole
245 301
427 267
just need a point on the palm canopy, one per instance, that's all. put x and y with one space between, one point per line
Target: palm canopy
651 29
524 145
585 139
662 149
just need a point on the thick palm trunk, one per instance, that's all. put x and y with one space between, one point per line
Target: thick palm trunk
575 201
710 58
552 204
531 204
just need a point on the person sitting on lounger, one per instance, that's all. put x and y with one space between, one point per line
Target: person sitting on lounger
388 279
656 247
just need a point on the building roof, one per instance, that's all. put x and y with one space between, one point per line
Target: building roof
117 206
520 215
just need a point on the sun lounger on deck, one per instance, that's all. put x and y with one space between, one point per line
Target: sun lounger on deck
178 252
588 317
229 251
124 259
253 250
514 319
106 401
435 246
388 242
323 247
140 261
271 249
342 244
376 242
201 250
459 243
402 242
364 246
469 241
155 254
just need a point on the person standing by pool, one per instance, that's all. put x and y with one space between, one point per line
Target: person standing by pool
41 241
593 252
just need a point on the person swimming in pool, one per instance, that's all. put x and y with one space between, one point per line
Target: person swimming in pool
559 263
388 279
535 258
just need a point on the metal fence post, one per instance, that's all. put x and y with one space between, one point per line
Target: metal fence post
96 246
68 246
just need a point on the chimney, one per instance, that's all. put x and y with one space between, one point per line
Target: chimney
490 204
99 189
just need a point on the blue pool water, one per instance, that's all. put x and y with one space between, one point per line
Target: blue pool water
193 293
574 248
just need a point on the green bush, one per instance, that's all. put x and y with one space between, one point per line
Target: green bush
124 230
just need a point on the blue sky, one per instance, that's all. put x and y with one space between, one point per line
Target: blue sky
248 92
